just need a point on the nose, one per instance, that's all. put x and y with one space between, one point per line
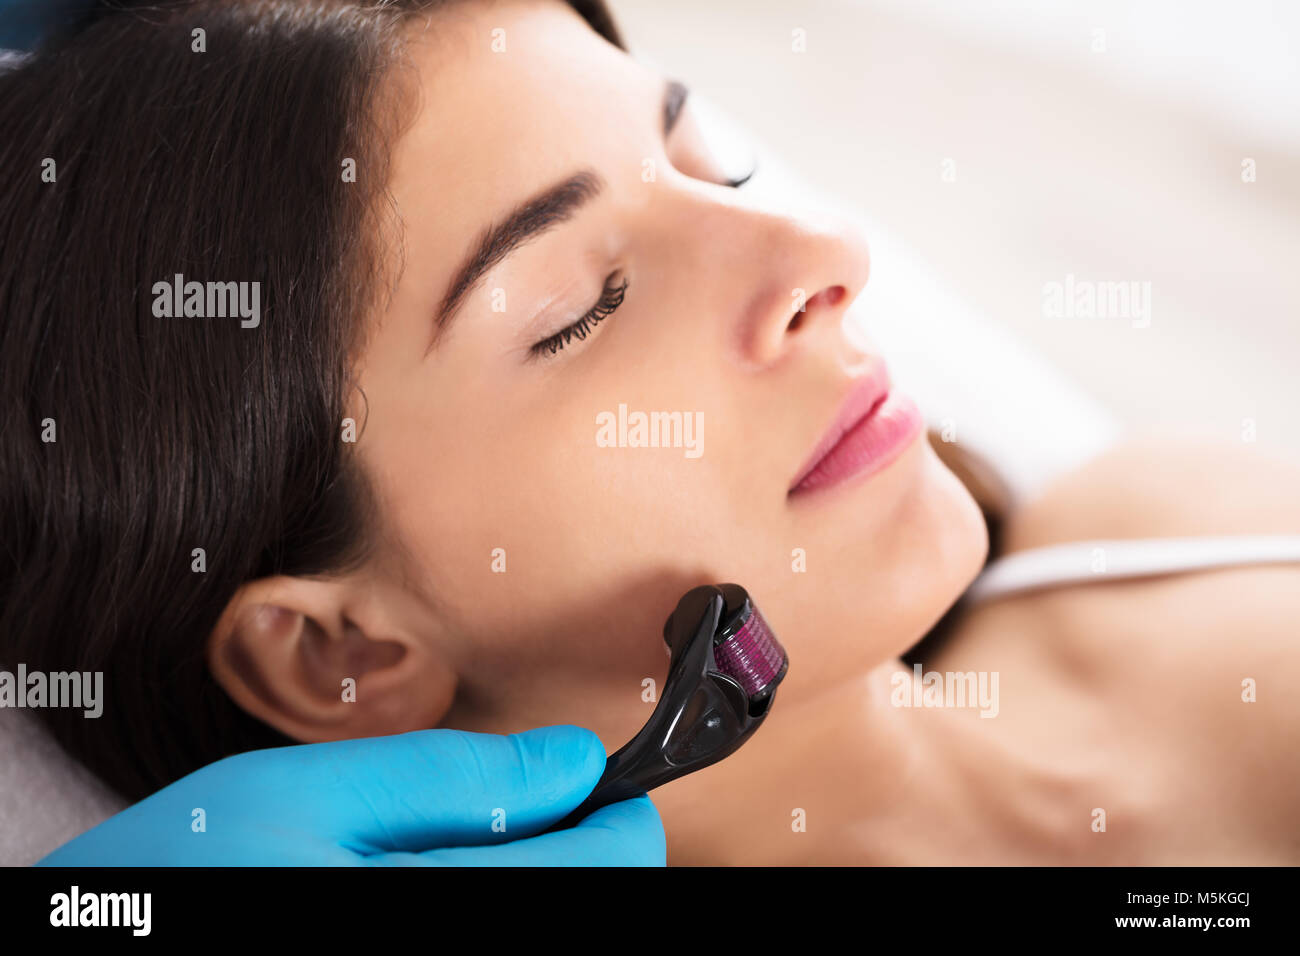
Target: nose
802 273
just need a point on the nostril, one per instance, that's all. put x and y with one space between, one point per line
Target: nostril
828 297
833 295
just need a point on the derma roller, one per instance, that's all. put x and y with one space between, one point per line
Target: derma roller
722 675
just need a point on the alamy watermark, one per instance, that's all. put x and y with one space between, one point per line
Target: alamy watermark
76 689
626 429
947 689
132 910
1085 299
208 300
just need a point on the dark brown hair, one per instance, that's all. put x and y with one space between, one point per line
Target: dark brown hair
180 433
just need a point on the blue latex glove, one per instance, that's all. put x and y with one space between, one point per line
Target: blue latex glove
430 797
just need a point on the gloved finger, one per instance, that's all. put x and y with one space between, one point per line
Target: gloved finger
628 833
433 788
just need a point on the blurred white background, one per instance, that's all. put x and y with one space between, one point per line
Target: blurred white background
1103 139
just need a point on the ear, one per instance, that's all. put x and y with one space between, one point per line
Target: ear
331 659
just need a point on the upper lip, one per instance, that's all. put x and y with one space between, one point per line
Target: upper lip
865 393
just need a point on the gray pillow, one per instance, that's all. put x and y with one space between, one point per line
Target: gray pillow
46 797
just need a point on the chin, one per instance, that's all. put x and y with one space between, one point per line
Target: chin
881 584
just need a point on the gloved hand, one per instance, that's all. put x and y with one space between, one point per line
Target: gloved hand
430 797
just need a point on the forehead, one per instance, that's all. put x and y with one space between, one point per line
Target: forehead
509 97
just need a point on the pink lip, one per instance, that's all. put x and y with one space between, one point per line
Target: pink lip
873 426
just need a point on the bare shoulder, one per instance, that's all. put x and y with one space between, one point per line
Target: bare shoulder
1212 654
1163 488
1157 487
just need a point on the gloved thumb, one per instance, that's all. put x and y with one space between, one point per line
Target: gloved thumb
436 788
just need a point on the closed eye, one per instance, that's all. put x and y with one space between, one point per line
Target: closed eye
700 146
611 297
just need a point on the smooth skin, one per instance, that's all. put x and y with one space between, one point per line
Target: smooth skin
474 444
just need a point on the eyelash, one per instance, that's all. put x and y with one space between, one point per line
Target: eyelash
611 297
737 183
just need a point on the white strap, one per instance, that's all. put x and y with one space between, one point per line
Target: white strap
1108 559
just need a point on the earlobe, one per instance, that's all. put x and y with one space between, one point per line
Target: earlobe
323 660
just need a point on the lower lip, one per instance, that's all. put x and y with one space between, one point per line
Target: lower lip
875 441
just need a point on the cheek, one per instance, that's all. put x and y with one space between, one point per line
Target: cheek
546 547
881 576
571 484
552 551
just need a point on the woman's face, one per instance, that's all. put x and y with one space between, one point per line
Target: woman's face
544 559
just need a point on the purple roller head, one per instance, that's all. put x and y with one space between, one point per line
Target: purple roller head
745 648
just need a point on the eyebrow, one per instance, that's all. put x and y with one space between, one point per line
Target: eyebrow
534 216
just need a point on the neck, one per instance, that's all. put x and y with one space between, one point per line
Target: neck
841 775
